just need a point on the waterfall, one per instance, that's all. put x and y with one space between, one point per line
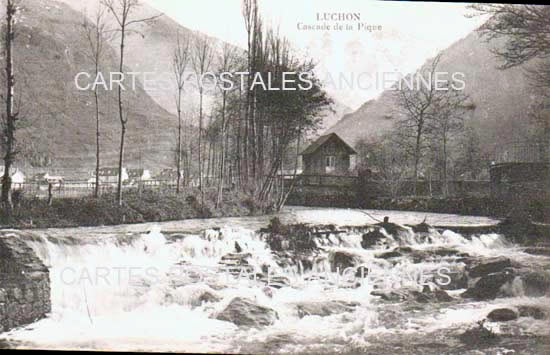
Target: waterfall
162 291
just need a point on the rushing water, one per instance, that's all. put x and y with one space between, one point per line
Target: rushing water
159 288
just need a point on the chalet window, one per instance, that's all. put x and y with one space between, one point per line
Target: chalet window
330 163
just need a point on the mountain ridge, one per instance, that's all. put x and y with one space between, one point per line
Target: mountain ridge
501 97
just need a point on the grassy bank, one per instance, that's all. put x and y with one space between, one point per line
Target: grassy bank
141 207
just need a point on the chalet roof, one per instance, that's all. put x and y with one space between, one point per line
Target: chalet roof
323 140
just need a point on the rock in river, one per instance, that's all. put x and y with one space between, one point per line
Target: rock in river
244 312
341 260
324 309
489 266
372 238
488 287
502 315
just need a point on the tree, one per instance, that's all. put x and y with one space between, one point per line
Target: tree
96 40
415 104
203 55
254 29
449 109
382 160
227 62
470 160
179 65
11 117
122 11
525 30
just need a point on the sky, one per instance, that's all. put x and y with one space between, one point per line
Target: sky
410 33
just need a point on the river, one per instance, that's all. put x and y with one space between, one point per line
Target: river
162 287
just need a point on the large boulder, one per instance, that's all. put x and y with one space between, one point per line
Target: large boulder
502 315
429 296
416 255
489 266
372 238
458 280
488 286
479 335
341 260
324 309
425 296
245 313
391 228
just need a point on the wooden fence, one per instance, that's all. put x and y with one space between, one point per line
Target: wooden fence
80 188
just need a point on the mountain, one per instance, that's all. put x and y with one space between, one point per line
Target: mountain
331 117
159 38
149 49
501 97
58 120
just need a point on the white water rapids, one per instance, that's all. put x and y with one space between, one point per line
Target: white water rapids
156 290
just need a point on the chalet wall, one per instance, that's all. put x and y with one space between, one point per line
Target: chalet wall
324 196
24 283
315 163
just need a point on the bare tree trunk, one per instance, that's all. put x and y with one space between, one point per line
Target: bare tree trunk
121 10
200 148
222 158
9 127
445 183
178 165
284 198
180 59
417 157
96 41
122 120
97 138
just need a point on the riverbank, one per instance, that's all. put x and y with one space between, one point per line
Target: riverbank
534 207
535 210
146 206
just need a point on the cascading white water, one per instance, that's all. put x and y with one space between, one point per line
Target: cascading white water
161 292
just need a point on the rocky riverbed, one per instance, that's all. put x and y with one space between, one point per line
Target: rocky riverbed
356 284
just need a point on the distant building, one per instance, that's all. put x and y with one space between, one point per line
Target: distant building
328 155
17 177
139 174
110 175
168 174
45 179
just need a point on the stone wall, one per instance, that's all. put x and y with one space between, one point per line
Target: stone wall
24 283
